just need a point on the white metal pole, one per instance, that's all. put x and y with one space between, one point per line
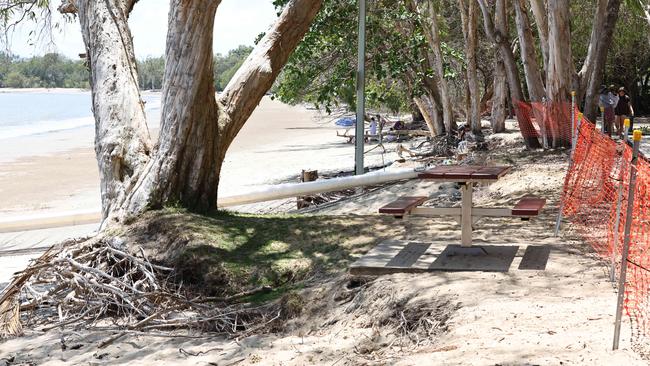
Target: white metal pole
619 201
361 90
626 239
288 190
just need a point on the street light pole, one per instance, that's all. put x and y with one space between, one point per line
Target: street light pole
361 91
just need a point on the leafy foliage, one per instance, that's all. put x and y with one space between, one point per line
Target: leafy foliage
56 71
323 68
49 71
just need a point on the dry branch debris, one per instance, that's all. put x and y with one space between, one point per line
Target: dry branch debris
99 282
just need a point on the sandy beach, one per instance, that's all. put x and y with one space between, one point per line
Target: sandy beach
57 172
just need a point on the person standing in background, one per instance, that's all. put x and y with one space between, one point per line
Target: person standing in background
607 101
622 111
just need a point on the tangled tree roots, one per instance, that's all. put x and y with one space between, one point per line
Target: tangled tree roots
100 283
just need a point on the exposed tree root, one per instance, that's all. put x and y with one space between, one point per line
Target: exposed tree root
100 283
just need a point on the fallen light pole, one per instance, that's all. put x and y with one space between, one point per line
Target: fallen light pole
361 91
288 190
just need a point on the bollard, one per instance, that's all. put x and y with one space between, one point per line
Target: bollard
636 138
574 141
619 201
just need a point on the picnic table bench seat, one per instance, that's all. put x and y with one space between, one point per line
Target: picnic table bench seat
402 206
528 206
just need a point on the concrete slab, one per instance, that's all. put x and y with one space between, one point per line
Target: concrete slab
486 258
535 257
393 256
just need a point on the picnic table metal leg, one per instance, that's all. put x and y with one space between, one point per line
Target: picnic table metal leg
466 214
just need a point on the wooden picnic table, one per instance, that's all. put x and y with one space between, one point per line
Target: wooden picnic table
466 176
467 215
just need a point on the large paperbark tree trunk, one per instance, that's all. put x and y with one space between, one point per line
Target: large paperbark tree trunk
560 72
597 55
468 14
499 99
532 71
433 39
500 40
196 129
539 12
431 114
560 65
122 142
185 169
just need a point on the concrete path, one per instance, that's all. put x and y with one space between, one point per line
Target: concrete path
18 248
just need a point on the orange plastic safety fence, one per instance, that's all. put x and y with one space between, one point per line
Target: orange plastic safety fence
595 194
549 121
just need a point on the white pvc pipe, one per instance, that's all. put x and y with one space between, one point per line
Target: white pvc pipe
288 190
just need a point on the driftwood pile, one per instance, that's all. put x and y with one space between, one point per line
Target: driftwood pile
99 283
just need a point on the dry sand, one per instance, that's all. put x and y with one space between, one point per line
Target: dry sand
562 315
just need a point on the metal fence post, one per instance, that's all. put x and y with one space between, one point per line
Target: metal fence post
626 239
573 119
619 200
574 142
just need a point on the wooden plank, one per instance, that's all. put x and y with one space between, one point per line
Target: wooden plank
415 257
463 173
437 172
491 172
402 205
408 256
529 206
535 257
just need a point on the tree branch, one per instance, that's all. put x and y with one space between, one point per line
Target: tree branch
259 71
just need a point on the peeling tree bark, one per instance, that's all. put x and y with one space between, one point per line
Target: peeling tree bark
595 77
429 110
196 129
432 33
122 142
539 12
588 64
256 76
516 94
532 70
560 64
499 100
185 169
469 18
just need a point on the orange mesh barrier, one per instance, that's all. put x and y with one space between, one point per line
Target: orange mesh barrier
550 122
598 175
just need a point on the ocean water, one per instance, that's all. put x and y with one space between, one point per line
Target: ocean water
27 113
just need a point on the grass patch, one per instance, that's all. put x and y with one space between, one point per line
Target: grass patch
226 253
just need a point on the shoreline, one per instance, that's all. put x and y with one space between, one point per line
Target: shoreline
58 172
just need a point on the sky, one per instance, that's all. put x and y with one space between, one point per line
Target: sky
238 22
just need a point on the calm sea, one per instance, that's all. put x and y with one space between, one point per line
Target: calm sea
24 114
